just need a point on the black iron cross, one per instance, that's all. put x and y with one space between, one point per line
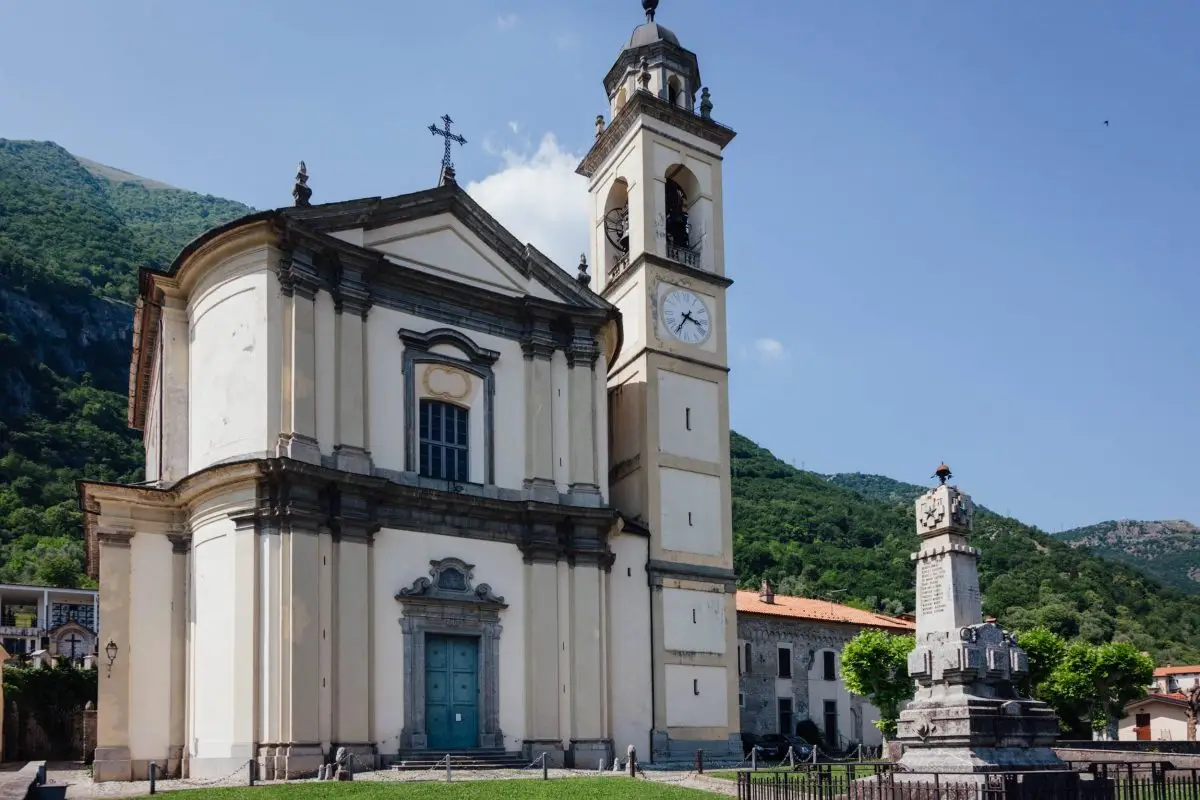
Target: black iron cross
449 137
73 640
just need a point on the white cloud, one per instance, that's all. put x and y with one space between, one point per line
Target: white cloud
514 126
506 21
769 351
538 197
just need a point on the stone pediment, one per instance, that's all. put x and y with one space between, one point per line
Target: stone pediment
450 581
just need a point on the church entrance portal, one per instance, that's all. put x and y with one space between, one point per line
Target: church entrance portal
452 691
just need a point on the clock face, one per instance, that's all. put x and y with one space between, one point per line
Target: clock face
685 316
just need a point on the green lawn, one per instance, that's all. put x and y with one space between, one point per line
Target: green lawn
519 789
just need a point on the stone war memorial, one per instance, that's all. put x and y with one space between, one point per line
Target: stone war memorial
967 719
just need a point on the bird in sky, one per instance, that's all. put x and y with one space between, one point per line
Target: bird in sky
1106 123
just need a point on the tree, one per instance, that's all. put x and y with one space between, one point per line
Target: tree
1045 650
1096 683
1192 698
875 666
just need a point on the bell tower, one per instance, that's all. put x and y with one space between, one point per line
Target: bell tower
654 176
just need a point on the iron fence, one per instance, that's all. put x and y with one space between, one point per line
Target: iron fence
879 783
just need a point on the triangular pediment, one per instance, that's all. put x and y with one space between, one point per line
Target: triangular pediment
445 232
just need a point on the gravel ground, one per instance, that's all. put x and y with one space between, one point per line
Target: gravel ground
80 785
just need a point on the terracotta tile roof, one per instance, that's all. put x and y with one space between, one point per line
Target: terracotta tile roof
1175 699
748 602
1163 672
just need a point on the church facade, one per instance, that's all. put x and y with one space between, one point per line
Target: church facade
413 488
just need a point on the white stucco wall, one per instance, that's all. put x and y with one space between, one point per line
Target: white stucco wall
1168 722
150 433
233 394
212 613
629 644
691 512
150 603
400 557
689 416
693 621
385 404
697 697
820 690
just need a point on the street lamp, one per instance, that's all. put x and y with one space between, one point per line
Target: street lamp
110 650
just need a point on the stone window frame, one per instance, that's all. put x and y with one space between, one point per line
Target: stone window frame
447 603
779 662
418 349
828 674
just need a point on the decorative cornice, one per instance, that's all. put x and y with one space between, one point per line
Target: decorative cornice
658 570
643 102
424 342
115 538
654 260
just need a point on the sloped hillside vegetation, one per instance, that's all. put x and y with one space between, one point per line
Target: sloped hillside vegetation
70 245
811 536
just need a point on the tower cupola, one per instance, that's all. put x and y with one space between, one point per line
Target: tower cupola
653 58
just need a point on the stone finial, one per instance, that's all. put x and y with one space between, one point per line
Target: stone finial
649 6
766 593
705 103
942 473
447 176
583 278
301 191
644 75
599 125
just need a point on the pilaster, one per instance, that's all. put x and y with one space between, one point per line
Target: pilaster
590 740
581 361
351 304
544 685
180 553
539 429
174 391
351 652
298 436
112 758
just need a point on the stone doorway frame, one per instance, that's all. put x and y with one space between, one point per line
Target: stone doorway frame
447 604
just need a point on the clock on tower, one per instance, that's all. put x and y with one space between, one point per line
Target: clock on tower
658 251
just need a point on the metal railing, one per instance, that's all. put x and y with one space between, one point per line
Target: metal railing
877 782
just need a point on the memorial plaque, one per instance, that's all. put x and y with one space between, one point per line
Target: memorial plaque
931 588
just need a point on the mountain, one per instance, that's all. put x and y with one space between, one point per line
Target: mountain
1167 550
72 234
848 538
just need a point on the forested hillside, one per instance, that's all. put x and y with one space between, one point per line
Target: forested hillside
811 536
72 235
70 244
1168 551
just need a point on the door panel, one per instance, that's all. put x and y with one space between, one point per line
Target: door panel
452 692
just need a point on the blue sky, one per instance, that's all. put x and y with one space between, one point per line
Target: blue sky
939 250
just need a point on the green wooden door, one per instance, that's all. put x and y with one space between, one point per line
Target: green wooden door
451 692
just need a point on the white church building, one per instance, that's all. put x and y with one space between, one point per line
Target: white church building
412 488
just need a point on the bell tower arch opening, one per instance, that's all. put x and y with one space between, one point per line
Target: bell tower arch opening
687 212
616 228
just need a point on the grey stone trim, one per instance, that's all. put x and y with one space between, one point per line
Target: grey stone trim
643 102
180 542
440 607
114 538
300 447
307 497
350 458
417 350
659 570
660 53
654 260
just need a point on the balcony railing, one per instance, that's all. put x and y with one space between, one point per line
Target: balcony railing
19 632
684 255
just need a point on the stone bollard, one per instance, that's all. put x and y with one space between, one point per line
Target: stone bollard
616 763
631 754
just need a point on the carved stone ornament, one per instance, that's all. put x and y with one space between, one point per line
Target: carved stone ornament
931 512
446 382
450 579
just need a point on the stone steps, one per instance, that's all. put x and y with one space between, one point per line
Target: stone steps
480 759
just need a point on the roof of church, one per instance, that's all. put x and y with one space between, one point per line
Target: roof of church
314 226
749 602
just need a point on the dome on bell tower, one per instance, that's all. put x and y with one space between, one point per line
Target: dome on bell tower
654 60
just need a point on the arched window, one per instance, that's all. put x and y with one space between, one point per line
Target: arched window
443 441
674 90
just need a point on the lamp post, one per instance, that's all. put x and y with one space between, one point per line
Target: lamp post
110 650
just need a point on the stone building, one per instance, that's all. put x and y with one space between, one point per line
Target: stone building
413 488
789 666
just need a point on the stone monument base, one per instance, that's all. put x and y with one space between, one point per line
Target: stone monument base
963 761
